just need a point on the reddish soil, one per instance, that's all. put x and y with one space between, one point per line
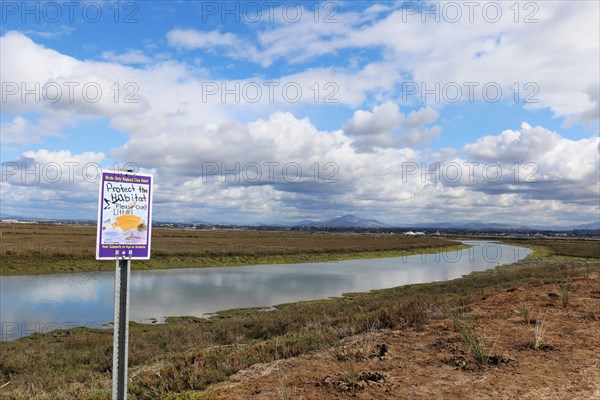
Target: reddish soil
434 362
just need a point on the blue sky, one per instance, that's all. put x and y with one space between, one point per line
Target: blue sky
359 91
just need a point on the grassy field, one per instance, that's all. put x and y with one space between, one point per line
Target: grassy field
40 249
584 248
186 357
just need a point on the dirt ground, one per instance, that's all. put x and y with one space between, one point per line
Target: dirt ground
434 362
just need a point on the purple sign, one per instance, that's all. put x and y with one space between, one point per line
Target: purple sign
124 216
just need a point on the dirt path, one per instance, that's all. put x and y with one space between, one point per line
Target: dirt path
435 362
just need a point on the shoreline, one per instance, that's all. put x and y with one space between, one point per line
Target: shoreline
38 249
243 310
24 265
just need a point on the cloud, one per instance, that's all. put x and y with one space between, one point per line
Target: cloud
511 53
273 164
589 118
195 39
386 127
130 57
283 168
61 31
269 168
69 89
558 158
538 164
519 146
37 79
56 170
51 184
384 119
24 131
239 171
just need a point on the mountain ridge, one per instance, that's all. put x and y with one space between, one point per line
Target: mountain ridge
345 221
350 221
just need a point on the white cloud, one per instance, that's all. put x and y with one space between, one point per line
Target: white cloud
558 158
152 94
57 170
60 31
24 131
37 79
377 184
522 58
523 145
194 39
539 164
129 57
386 126
46 184
176 133
384 119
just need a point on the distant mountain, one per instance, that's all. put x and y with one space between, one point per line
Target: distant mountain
307 222
346 221
593 226
551 227
590 226
6 216
477 225
482 225
437 225
200 222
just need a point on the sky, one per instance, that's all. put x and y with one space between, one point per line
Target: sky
275 112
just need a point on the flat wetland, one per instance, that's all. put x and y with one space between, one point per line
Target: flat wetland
527 330
28 249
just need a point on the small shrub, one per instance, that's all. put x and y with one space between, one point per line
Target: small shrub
526 314
565 294
475 344
539 330
414 314
457 320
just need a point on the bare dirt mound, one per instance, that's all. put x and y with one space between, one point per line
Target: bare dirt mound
534 342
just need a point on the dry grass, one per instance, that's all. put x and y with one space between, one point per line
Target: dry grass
38 248
539 331
565 294
586 248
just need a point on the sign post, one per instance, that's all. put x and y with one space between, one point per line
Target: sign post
121 330
124 233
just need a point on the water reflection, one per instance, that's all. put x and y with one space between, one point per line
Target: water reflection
47 302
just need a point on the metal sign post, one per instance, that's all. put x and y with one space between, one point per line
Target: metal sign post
121 330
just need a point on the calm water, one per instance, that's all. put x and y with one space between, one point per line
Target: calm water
47 302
